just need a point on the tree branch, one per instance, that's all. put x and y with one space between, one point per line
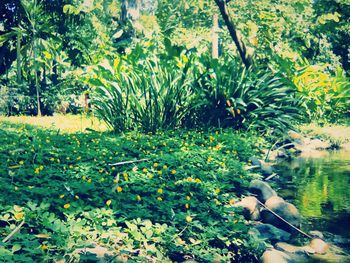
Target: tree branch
247 60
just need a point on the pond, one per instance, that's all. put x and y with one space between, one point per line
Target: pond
320 188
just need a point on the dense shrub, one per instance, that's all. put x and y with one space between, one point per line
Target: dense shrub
241 98
326 96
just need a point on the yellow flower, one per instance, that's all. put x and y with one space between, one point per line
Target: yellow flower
155 164
217 190
138 198
159 198
76 197
173 171
144 170
188 198
209 159
44 247
61 196
66 206
159 172
70 166
187 206
108 202
21 162
19 215
160 190
119 189
188 219
37 170
165 167
231 202
198 180
52 159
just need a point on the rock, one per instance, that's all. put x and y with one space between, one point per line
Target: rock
294 135
345 146
250 207
319 246
275 256
266 168
285 210
293 249
255 161
272 233
317 234
317 144
95 253
262 189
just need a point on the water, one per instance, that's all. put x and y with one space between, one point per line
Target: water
320 188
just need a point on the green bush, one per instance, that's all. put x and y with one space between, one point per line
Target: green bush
148 95
326 96
236 97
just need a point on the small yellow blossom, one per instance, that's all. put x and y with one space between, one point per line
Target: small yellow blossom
138 198
217 190
19 215
70 166
160 191
210 159
159 198
37 170
198 180
144 170
165 167
159 172
61 196
119 189
187 206
188 198
173 171
52 159
76 197
108 202
232 201
155 164
66 206
21 162
188 219
44 247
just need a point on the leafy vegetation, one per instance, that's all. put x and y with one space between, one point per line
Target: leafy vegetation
187 96
175 204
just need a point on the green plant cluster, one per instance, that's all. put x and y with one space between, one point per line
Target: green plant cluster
155 88
175 205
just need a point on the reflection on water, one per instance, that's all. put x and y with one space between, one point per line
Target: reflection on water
319 187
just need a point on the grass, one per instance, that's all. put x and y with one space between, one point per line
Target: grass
176 205
64 123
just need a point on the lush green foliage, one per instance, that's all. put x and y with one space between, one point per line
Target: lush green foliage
176 204
149 95
254 98
326 96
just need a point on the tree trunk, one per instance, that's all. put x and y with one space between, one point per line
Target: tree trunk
247 60
130 9
18 45
36 78
215 40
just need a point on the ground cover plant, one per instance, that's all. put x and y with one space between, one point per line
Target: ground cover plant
174 206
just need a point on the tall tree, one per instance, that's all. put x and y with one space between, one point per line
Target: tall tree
242 50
